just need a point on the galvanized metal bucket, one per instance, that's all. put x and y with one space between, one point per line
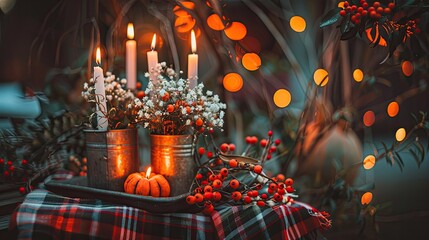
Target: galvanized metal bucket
112 156
173 157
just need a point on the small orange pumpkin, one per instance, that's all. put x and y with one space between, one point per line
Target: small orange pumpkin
156 185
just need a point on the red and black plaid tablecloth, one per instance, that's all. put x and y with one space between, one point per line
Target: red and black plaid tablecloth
44 215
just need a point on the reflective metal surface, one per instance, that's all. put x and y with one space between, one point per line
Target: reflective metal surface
112 156
173 157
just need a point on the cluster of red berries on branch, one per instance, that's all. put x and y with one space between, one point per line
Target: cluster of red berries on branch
262 151
358 12
20 172
239 179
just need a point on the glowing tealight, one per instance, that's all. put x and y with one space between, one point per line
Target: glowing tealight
232 82
320 77
400 134
282 98
393 109
369 162
298 24
358 75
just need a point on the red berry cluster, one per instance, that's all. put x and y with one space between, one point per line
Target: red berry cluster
80 165
357 13
6 167
220 184
269 146
16 172
411 27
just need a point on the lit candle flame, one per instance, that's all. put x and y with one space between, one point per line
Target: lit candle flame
148 172
193 42
98 56
130 31
152 46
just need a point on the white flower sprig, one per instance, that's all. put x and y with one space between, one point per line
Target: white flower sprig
171 108
121 105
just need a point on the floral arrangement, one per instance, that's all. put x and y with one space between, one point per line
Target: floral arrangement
120 102
171 108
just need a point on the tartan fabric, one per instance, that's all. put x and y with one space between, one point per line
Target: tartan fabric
44 215
298 221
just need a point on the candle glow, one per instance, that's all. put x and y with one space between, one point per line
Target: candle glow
193 42
98 56
149 170
193 63
131 58
100 92
152 61
130 31
153 44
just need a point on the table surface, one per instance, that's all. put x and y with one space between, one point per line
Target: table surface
45 215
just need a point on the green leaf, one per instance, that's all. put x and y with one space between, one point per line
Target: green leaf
386 150
349 34
421 149
416 158
426 125
400 161
345 25
330 17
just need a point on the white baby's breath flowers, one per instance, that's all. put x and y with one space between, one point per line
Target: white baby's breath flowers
171 107
120 102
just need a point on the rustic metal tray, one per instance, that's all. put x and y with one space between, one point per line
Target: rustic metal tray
78 187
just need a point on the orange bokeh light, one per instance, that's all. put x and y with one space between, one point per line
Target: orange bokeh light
215 22
393 109
320 77
180 12
369 162
236 31
251 61
233 82
369 118
358 75
407 68
298 24
400 135
366 198
282 98
184 24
